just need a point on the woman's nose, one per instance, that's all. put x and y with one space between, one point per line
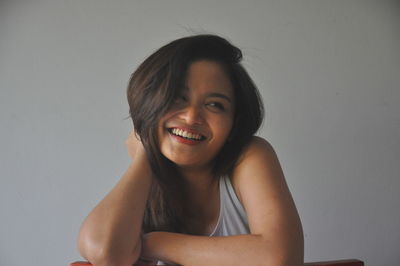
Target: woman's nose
192 115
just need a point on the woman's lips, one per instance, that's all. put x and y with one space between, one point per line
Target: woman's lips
186 136
186 133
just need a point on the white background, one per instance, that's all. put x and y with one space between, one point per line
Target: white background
329 73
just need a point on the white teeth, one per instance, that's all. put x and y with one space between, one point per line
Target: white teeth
185 134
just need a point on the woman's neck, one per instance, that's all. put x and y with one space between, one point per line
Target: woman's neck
201 186
198 180
203 192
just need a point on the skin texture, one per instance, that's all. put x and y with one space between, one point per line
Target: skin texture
111 234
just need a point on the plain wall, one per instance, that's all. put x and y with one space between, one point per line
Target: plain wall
328 71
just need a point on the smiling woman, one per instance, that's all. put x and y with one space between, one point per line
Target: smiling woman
201 188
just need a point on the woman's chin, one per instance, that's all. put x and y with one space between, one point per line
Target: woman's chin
188 163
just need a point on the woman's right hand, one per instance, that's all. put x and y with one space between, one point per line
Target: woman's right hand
134 144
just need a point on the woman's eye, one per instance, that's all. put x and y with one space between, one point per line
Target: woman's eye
180 100
216 105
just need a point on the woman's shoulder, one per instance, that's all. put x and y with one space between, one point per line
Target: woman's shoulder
256 153
257 147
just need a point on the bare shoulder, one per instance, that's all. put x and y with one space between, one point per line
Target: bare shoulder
257 146
258 150
257 155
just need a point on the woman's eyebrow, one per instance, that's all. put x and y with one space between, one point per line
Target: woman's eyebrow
219 95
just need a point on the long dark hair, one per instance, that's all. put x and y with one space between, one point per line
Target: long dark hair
152 90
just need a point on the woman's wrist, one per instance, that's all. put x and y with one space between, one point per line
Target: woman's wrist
155 247
149 251
141 159
139 169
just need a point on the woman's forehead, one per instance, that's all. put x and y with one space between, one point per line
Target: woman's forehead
208 76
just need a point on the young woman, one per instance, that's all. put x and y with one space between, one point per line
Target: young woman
201 188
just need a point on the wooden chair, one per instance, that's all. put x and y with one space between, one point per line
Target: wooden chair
352 262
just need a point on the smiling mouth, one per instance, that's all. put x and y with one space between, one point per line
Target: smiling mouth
186 135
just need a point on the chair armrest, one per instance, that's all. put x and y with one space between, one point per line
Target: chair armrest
351 262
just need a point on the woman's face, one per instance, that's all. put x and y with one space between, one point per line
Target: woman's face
193 131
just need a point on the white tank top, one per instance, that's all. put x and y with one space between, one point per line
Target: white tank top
232 216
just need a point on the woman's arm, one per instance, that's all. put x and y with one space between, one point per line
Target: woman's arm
276 234
110 235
